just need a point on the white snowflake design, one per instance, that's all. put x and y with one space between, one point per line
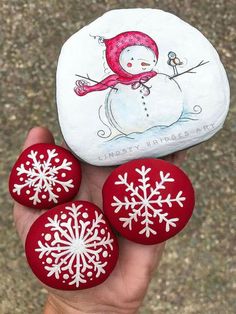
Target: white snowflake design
76 246
43 176
142 200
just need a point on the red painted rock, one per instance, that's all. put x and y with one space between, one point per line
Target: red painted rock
72 246
148 200
45 175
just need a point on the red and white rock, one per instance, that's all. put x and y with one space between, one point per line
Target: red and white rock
148 200
45 175
72 246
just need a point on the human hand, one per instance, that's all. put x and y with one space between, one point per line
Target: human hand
125 288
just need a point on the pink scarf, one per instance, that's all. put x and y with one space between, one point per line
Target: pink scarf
114 47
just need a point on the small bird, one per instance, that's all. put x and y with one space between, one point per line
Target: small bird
174 61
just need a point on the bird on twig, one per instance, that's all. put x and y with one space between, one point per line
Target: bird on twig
174 61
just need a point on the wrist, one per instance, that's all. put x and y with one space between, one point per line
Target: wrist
56 305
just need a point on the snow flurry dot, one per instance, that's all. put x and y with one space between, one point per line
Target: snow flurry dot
148 200
45 175
68 250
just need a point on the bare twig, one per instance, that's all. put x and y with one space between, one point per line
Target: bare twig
190 70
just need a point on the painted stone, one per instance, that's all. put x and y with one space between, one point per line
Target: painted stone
138 83
72 247
148 200
45 175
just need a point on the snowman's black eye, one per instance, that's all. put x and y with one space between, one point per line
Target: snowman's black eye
154 61
132 58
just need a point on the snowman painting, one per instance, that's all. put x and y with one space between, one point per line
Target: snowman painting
139 98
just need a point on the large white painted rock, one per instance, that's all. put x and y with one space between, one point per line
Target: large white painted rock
138 83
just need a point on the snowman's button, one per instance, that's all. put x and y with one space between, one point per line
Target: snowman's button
44 175
72 246
148 200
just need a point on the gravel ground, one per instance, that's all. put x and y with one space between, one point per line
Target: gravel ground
197 271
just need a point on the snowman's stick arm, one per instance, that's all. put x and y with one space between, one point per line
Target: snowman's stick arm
88 78
190 70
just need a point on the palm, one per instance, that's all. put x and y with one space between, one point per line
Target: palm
126 286
129 280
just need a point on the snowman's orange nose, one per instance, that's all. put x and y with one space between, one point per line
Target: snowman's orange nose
144 64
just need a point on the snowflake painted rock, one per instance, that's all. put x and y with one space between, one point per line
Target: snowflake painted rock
45 175
72 247
148 200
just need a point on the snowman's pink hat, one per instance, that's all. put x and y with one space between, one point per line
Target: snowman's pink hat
115 45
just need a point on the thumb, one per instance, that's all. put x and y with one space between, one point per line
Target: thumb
24 216
38 135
